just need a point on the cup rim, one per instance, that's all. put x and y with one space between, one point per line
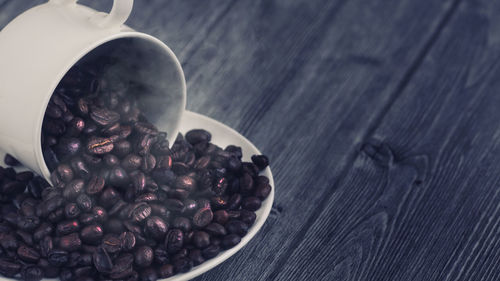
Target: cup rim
125 34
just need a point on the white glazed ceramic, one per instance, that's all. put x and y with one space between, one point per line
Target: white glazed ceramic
222 135
42 44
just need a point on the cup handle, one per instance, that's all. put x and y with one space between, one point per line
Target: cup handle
119 13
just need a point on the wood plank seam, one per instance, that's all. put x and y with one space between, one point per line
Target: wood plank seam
352 157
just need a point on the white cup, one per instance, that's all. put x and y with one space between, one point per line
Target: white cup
39 47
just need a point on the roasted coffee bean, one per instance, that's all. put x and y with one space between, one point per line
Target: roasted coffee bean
143 256
26 237
197 136
82 107
210 251
9 268
64 173
127 240
56 216
138 181
8 241
163 176
13 187
113 129
28 223
54 127
183 265
180 168
111 243
50 158
221 216
80 168
103 117
58 257
66 275
67 147
83 273
140 212
100 214
84 202
201 239
174 205
148 163
215 229
28 254
220 186
123 263
263 190
73 189
246 183
180 194
237 227
87 218
230 241
70 242
182 223
46 246
174 240
91 160
109 197
91 234
25 176
156 227
147 197
102 260
43 230
131 162
164 162
261 161
117 207
67 227
118 176
251 203
247 217
161 256
95 185
31 273
71 211
98 145
160 210
166 271
90 127
219 202
190 206
186 183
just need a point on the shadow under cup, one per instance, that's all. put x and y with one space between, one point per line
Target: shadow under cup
146 69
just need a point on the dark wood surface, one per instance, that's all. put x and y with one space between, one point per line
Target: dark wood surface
381 119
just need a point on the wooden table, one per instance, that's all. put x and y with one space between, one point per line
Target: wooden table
381 119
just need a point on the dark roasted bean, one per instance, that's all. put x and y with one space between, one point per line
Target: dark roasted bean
186 183
99 145
66 275
87 218
230 241
182 223
201 239
95 185
9 268
140 212
71 211
31 273
180 168
67 147
234 201
174 240
263 190
102 260
237 227
84 202
117 207
25 176
70 242
216 229
210 251
166 271
149 274
190 206
28 254
261 161
148 163
143 256
197 136
147 197
246 184
46 246
91 234
73 189
118 176
161 256
127 240
100 214
180 194
247 217
80 168
183 265
221 216
56 216
163 176
103 117
156 227
111 243
13 187
8 241
58 257
122 148
83 272
25 237
174 205
219 202
160 210
28 223
251 203
43 230
109 197
67 227
122 263
114 226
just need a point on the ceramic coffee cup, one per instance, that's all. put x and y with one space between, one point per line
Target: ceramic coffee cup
39 47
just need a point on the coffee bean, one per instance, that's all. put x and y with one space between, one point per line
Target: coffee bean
140 212
127 240
143 256
67 147
216 229
156 227
251 203
58 257
122 263
43 230
111 243
186 183
84 202
219 202
174 205
248 217
103 117
131 162
263 190
166 271
182 223
174 240
91 234
98 145
163 176
122 148
9 268
28 254
71 211
67 227
261 161
95 185
109 197
246 183
237 227
118 176
73 189
201 239
46 246
210 251
70 242
102 260
28 223
197 136
31 273
80 168
100 214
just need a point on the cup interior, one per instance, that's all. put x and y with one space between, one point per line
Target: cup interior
147 70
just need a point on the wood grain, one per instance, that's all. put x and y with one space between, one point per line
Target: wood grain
307 105
421 201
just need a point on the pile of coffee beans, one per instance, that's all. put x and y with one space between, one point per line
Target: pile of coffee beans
123 204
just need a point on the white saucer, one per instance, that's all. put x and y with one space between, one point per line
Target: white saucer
222 136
